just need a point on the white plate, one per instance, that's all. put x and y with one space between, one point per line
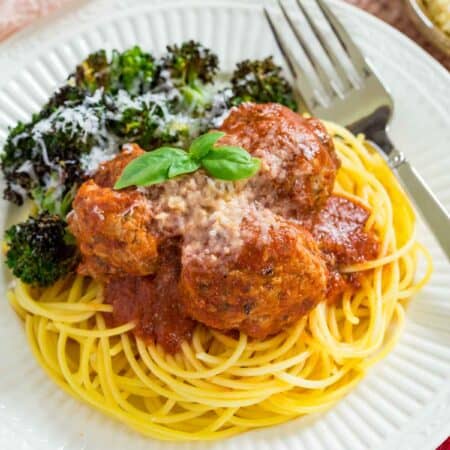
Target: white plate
404 402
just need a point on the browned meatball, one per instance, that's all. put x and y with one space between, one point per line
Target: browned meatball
110 171
277 277
299 161
112 232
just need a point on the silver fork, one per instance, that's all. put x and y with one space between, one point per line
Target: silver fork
364 107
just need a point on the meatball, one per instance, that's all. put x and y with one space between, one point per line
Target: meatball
277 277
299 161
110 171
112 232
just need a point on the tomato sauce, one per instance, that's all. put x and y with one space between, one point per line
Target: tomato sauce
339 230
152 302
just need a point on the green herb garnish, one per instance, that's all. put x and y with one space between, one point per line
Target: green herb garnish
223 162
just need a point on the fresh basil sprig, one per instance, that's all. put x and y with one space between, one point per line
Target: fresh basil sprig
223 162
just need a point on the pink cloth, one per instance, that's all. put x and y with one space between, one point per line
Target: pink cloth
15 14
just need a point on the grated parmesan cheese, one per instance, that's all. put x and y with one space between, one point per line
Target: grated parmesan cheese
91 161
98 212
27 167
209 214
19 190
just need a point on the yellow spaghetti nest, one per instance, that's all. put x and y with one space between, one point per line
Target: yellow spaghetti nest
218 386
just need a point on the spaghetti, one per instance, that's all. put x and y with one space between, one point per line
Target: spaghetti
218 385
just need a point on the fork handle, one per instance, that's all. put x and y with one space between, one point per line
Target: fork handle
431 210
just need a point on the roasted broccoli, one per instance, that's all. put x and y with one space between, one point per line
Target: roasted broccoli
261 81
151 125
67 95
191 62
136 123
47 166
132 70
39 250
13 162
93 72
42 160
190 67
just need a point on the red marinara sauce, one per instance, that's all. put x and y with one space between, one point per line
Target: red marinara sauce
339 228
152 302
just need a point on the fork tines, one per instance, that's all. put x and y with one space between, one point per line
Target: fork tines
310 94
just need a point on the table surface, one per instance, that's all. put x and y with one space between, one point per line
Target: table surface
394 12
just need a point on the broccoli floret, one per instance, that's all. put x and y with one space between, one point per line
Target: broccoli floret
65 96
18 182
55 199
132 70
42 159
191 66
39 251
136 125
151 125
191 62
29 170
93 72
261 81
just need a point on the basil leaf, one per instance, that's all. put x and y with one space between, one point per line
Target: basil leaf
231 153
225 162
149 168
203 144
230 163
182 166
